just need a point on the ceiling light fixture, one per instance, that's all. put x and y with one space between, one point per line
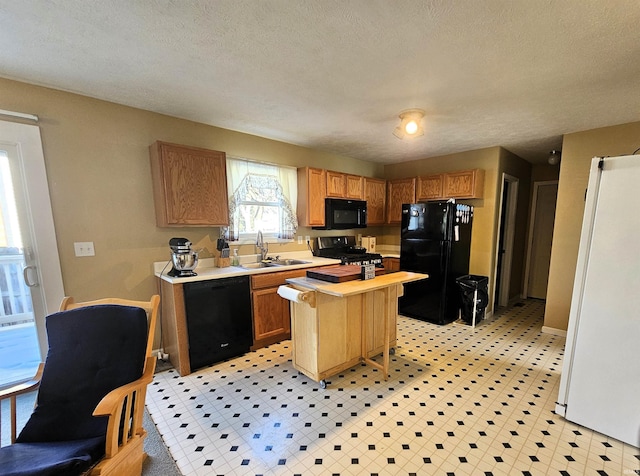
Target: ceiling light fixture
554 157
410 124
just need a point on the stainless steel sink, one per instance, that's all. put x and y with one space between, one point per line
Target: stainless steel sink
256 265
273 263
288 262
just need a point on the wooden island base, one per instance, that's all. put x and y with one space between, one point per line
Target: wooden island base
337 326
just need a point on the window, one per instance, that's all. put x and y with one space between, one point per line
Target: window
262 197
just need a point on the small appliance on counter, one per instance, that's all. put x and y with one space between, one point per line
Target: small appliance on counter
184 259
369 243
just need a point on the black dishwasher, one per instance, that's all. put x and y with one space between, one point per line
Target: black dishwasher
218 319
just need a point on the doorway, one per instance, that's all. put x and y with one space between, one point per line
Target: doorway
506 233
30 276
543 211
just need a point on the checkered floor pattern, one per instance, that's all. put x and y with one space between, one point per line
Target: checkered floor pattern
459 401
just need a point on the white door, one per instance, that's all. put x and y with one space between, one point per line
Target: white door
600 381
541 235
30 276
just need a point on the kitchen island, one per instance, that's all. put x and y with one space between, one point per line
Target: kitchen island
335 326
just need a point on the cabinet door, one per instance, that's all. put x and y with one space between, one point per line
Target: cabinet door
399 191
391 264
375 193
190 185
464 184
270 317
354 187
312 188
336 184
430 187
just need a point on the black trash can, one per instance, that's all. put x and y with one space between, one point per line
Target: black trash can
474 297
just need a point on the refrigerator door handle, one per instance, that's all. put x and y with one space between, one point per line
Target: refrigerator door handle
443 256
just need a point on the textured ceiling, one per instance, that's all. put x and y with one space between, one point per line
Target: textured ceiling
333 75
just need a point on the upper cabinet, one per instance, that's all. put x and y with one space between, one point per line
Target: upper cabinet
340 185
464 184
461 184
189 185
430 187
355 187
399 191
336 184
375 194
312 188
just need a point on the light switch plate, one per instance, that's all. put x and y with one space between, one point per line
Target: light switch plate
84 248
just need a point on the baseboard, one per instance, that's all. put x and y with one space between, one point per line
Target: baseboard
554 331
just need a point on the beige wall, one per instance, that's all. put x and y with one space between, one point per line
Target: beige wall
544 172
577 151
97 161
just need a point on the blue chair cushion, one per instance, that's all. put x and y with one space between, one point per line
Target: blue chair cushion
68 458
92 350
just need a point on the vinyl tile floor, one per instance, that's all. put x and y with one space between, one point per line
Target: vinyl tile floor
459 401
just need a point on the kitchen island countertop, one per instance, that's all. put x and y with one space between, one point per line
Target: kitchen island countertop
357 286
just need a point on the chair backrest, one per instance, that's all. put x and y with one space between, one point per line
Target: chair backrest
151 308
92 350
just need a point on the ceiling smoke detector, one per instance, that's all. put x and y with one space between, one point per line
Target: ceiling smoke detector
410 124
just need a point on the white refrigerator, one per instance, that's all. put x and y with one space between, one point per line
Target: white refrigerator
600 381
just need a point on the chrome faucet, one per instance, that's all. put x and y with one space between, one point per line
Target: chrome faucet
262 246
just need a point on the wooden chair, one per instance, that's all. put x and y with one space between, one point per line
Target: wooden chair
110 333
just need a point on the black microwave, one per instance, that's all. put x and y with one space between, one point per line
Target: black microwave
340 214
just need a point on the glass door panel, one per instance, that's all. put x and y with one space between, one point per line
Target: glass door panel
19 349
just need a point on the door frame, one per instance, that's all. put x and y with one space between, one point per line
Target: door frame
532 220
509 234
43 253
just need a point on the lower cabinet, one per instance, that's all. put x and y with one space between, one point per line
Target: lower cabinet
271 315
391 264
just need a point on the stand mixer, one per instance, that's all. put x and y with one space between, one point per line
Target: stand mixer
184 259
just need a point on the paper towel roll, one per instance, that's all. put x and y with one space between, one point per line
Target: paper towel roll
291 294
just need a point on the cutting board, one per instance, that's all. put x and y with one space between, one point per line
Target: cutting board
339 273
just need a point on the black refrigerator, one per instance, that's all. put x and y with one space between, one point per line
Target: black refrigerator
435 239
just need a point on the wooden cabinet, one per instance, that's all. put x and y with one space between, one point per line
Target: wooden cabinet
346 186
399 191
375 194
391 264
271 316
312 188
336 184
354 189
342 324
189 185
430 187
464 184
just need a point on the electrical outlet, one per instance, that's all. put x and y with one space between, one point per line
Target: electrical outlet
307 239
300 242
84 248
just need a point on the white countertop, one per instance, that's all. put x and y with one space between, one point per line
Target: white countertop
206 268
389 251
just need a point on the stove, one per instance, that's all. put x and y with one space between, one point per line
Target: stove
344 248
